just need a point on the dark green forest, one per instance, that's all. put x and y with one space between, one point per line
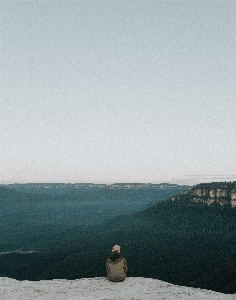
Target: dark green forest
31 221
182 242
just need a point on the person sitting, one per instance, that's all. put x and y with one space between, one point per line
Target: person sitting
116 265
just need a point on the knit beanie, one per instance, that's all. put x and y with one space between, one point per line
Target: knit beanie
116 248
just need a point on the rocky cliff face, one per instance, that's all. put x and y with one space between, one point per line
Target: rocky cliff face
223 193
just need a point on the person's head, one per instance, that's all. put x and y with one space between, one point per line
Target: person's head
116 249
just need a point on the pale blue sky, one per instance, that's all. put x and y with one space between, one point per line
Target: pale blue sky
118 91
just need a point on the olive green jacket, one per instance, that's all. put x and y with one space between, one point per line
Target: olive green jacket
116 270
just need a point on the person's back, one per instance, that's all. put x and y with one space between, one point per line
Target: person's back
116 266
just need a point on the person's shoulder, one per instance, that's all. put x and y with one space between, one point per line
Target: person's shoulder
109 260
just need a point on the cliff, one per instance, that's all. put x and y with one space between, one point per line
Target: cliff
223 193
99 288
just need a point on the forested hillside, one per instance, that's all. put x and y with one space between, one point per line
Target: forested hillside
61 212
178 240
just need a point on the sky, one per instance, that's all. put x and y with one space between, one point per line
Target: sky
118 91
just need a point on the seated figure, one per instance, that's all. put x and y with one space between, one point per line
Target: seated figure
116 266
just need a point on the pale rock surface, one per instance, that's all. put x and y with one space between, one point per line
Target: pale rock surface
100 288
